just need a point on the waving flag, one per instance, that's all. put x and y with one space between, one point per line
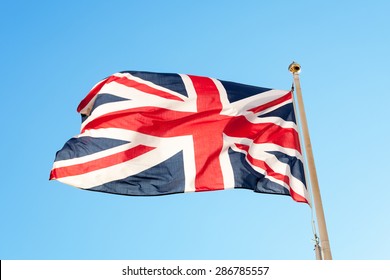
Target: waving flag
146 133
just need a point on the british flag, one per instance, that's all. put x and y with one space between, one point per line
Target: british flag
147 133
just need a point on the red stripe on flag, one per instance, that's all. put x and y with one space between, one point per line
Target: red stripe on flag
298 197
154 121
91 95
208 141
285 137
271 173
99 163
145 88
264 133
126 82
270 104
263 165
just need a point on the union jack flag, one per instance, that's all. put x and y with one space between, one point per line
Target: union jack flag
147 133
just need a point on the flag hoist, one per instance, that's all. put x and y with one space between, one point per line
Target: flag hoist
325 253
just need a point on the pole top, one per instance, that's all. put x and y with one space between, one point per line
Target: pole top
294 67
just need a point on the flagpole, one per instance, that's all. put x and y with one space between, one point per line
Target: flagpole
295 68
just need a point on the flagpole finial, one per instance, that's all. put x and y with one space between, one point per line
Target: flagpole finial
294 67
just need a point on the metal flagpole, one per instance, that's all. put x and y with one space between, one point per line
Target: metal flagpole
295 68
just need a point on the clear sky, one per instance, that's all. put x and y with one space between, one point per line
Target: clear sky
53 52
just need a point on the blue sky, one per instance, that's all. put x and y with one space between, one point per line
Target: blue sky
53 52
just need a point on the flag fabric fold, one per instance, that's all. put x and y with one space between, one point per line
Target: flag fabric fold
145 133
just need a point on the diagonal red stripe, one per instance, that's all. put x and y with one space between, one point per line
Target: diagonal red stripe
270 172
99 163
91 95
263 165
298 197
275 102
126 82
145 88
